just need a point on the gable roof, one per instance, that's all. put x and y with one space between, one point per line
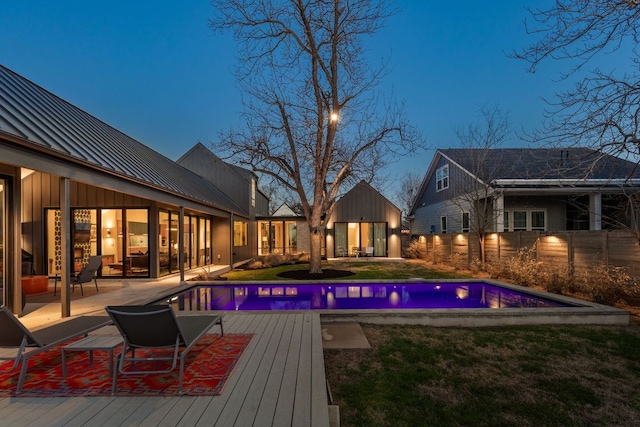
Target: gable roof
541 163
365 186
284 210
536 167
35 116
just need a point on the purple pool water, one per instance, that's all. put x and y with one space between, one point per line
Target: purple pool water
354 296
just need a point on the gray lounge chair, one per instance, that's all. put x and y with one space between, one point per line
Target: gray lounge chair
85 275
156 327
17 343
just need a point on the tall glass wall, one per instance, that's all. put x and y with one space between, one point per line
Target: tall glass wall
352 238
120 236
277 237
197 241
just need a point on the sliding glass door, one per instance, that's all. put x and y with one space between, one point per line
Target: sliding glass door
352 238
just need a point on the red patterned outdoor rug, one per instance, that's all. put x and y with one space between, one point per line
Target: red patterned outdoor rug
207 367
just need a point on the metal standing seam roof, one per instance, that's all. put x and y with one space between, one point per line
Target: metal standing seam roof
34 114
537 163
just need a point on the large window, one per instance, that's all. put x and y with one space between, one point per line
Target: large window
525 220
240 233
537 220
442 178
277 237
120 236
465 222
352 238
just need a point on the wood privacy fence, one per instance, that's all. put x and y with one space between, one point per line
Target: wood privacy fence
574 251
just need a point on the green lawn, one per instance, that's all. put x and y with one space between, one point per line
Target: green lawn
507 376
363 271
499 376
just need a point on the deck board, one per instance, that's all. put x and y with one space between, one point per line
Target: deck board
278 381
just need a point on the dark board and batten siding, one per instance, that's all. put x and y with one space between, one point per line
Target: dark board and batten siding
365 204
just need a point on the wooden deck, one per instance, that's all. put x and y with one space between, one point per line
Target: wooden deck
279 381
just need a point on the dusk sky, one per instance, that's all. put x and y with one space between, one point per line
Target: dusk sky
155 71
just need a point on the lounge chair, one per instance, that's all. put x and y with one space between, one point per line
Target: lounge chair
85 275
156 327
17 343
342 251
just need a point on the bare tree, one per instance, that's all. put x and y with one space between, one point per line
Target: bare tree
313 118
601 110
409 187
473 192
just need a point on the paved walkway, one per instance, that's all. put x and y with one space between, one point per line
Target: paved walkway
134 291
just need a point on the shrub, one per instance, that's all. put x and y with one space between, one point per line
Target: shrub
608 285
476 266
456 260
413 250
556 280
523 267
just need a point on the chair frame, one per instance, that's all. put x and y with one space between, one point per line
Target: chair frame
18 343
137 323
85 275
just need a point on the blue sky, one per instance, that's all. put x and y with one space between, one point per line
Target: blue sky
155 71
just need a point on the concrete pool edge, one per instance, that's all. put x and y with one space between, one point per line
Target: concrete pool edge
581 313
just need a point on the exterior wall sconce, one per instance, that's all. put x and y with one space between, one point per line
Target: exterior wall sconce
108 233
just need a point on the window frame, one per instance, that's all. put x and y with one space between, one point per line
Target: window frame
443 224
442 178
466 214
509 219
240 238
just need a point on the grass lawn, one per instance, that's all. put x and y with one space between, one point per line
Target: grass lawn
502 376
363 271
499 376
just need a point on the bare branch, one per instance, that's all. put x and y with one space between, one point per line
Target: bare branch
313 120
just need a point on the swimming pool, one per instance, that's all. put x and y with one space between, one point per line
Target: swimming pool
355 296
443 302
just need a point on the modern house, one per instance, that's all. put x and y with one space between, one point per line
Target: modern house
497 190
72 186
364 223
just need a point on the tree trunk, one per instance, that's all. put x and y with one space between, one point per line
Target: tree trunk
315 260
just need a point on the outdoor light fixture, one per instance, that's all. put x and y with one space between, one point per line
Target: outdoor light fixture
108 233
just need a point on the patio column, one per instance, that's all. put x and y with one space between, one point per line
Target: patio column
181 246
498 212
13 274
65 247
595 211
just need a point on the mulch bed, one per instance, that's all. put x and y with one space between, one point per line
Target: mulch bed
305 275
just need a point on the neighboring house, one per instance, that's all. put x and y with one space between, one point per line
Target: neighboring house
489 190
363 218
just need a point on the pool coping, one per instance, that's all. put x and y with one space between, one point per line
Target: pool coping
582 313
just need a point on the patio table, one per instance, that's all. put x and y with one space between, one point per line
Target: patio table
91 343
